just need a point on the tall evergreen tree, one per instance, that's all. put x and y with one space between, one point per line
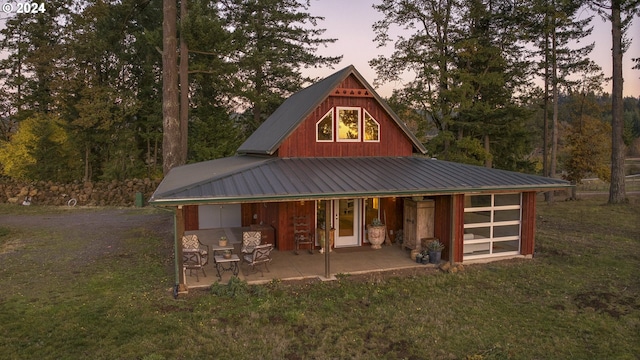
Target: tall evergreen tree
427 53
619 13
214 132
33 43
274 40
465 57
485 68
555 29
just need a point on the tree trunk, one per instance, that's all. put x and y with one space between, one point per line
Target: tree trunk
545 131
617 193
170 108
487 148
554 121
184 88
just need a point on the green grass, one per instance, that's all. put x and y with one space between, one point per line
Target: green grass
579 298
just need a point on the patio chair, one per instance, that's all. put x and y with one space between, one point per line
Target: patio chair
302 234
250 239
195 255
261 255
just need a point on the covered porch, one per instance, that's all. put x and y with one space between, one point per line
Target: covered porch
288 266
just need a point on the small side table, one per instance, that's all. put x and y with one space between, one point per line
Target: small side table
217 248
223 264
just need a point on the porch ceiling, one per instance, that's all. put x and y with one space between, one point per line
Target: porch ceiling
253 179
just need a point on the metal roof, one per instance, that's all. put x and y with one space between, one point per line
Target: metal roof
275 129
253 179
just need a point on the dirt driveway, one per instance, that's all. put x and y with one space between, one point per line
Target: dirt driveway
102 228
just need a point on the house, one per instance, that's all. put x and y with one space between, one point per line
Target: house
336 151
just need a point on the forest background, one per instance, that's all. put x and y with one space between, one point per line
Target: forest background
81 94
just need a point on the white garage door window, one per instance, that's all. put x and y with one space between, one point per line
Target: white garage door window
492 225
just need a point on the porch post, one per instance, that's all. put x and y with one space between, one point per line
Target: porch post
178 224
328 233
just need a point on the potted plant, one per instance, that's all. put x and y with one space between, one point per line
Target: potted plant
435 248
425 256
223 241
419 258
227 254
376 232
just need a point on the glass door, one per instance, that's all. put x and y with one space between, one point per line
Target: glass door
346 214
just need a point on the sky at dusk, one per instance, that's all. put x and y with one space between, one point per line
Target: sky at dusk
351 23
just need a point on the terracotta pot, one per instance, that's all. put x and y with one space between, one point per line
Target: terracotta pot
223 242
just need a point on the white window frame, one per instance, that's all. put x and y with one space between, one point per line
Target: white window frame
331 113
491 224
337 127
364 127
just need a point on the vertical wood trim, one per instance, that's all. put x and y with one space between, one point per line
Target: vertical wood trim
391 207
528 224
442 226
246 214
458 227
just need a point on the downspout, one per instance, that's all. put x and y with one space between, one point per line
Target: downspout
328 234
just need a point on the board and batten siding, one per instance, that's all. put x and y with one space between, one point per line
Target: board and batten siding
528 223
302 141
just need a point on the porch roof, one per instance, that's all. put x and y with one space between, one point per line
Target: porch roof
247 178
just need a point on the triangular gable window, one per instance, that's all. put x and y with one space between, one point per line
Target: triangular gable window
353 124
324 128
371 128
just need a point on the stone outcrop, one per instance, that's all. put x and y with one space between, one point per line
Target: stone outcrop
103 193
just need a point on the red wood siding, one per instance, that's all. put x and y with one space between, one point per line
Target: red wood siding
391 214
284 229
442 225
528 226
458 227
191 221
302 141
266 214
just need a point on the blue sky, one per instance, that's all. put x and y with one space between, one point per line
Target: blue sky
350 22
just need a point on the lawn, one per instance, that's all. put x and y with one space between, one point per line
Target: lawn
579 298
